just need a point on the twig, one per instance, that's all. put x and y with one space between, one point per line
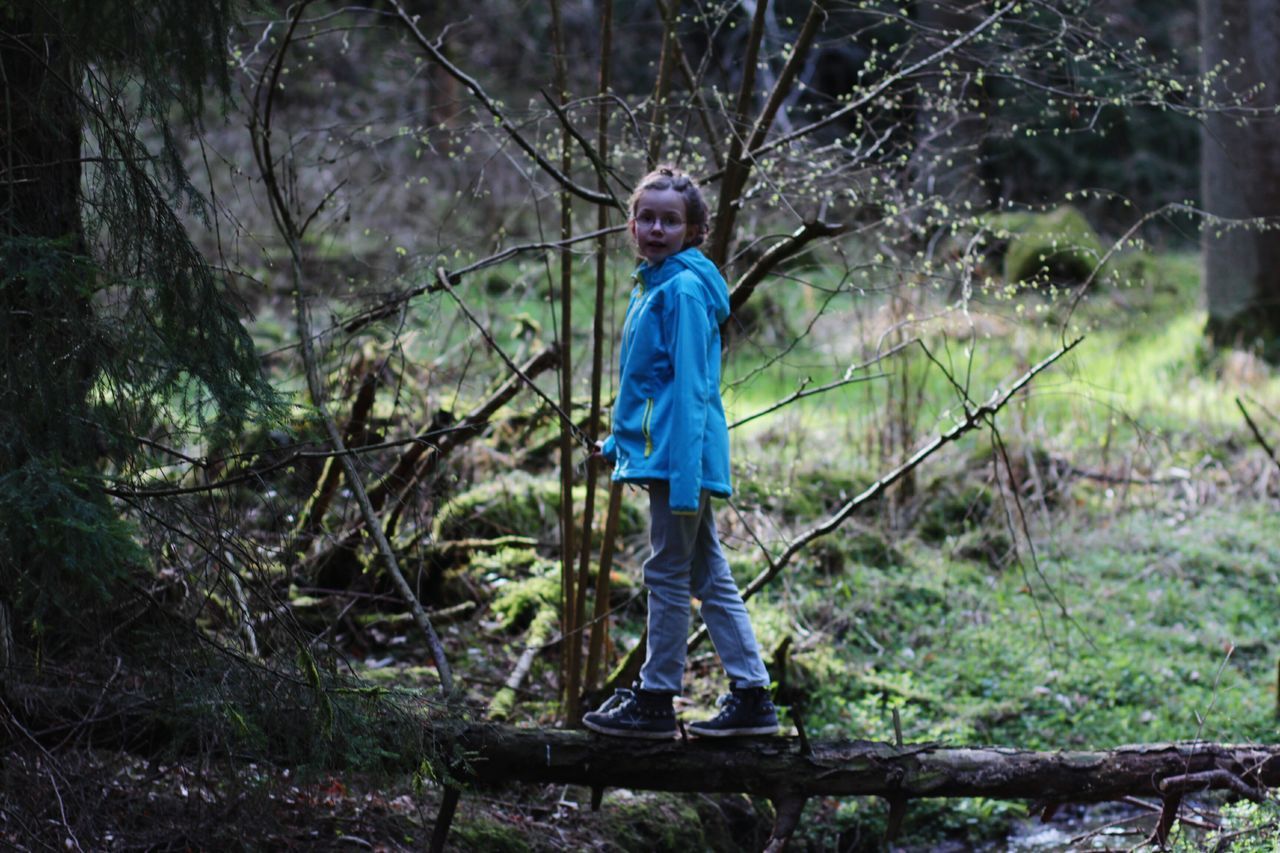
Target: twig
582 437
448 805
1216 779
288 226
393 304
403 475
718 240
776 254
884 85
600 625
256 473
1156 809
800 393
602 168
1257 433
246 620
788 809
560 177
692 80
12 720
738 168
974 418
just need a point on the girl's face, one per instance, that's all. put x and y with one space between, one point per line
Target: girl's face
658 224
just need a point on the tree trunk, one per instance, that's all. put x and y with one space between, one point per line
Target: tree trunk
1240 176
46 314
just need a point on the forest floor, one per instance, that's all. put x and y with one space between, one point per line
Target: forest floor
1102 570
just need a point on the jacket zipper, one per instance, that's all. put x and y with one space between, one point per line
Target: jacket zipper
644 426
627 331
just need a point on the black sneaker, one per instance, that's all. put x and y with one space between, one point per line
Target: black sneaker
634 713
744 711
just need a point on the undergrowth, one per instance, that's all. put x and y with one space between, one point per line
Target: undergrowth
1099 569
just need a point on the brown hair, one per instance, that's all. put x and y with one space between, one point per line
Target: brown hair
695 206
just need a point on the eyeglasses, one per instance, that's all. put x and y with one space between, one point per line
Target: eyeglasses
668 220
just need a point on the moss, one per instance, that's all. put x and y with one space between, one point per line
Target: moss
510 504
1056 247
869 548
810 494
949 509
516 503
519 602
651 821
992 547
487 836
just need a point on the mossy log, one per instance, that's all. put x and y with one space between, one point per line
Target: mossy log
779 767
540 631
782 770
789 771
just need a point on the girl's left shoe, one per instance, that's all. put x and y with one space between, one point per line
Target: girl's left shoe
744 711
634 713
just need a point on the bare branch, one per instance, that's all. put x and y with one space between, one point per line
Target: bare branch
800 393
1257 433
974 418
292 235
776 254
393 304
443 278
411 23
875 91
603 172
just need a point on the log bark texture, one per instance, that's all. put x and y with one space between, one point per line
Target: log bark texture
775 767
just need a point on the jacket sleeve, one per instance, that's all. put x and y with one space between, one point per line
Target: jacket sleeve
690 335
609 450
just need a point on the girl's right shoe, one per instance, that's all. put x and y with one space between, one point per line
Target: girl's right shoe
744 711
643 714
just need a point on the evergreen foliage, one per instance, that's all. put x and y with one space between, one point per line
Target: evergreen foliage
115 327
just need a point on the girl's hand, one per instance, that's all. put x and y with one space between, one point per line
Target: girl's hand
597 456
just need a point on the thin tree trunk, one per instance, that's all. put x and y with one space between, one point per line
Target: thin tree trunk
570 652
599 625
662 85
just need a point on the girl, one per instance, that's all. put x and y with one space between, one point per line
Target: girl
669 434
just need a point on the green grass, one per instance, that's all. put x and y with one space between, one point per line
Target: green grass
1147 614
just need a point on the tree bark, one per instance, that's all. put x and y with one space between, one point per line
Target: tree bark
777 766
48 369
1240 175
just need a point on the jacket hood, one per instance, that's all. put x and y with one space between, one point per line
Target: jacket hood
714 289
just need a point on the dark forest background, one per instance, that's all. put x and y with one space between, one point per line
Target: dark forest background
308 311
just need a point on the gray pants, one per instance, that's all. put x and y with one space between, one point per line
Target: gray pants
687 561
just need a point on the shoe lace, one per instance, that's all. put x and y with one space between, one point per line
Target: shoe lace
621 696
728 704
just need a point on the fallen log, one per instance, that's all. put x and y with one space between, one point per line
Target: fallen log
777 766
788 771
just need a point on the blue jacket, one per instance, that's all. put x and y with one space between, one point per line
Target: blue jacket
668 421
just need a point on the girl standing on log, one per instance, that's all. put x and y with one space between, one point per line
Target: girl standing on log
669 435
